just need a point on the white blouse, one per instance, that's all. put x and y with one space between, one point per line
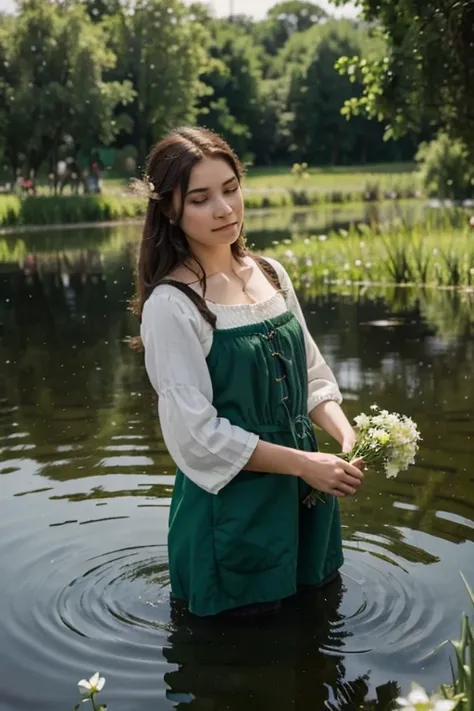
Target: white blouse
177 339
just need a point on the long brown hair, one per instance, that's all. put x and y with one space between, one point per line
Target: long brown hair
164 246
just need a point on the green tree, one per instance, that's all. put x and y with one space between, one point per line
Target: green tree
427 70
99 9
284 20
53 79
233 104
445 168
316 92
162 49
6 77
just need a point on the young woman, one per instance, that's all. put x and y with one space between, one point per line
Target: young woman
240 383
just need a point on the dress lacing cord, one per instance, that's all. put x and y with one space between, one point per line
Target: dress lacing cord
301 425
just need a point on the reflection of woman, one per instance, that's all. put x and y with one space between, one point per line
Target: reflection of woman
278 663
238 378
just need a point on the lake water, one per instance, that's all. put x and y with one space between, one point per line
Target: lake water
85 485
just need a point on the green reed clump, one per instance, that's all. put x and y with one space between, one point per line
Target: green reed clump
10 207
51 210
267 200
461 691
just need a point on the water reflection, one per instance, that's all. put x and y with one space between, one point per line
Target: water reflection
86 482
273 663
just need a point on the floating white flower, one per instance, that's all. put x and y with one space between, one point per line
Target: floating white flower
93 686
418 700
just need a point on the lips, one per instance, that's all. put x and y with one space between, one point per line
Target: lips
226 227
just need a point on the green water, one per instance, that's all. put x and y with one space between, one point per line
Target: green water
85 485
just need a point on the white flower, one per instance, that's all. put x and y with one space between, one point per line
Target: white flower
418 700
291 256
93 686
362 421
391 470
381 435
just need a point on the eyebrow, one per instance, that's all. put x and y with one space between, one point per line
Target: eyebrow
203 190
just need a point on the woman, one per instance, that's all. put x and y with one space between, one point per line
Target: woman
240 382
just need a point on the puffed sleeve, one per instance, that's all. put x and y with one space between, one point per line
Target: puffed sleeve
208 449
322 384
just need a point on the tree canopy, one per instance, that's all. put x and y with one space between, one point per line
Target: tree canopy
427 70
77 75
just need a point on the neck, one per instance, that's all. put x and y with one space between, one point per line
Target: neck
215 259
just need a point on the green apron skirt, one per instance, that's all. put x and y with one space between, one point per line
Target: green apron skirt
254 541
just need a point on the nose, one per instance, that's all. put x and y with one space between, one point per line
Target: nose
222 208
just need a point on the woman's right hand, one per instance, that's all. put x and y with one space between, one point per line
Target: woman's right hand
330 474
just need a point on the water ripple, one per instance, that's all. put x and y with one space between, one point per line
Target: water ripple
385 609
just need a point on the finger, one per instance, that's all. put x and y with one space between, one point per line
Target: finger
337 492
352 470
346 488
349 480
359 463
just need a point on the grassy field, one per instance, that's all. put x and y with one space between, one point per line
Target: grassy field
345 178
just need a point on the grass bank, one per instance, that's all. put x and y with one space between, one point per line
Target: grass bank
50 210
423 254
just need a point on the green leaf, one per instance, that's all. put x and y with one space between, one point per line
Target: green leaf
471 594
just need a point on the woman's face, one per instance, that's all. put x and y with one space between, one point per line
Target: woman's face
213 209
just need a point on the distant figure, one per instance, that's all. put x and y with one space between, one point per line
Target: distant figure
70 176
93 178
61 168
471 222
29 184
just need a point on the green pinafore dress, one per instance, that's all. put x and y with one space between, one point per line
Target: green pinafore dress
255 541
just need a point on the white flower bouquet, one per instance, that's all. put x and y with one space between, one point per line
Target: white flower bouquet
385 441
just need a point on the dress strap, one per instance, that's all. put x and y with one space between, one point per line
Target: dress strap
268 271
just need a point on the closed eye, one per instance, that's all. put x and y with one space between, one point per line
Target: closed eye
202 200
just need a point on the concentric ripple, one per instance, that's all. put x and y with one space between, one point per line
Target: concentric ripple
113 596
121 588
384 609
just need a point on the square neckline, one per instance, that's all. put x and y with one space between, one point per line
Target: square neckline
256 304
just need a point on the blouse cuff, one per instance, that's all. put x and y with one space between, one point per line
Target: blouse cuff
323 395
221 481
